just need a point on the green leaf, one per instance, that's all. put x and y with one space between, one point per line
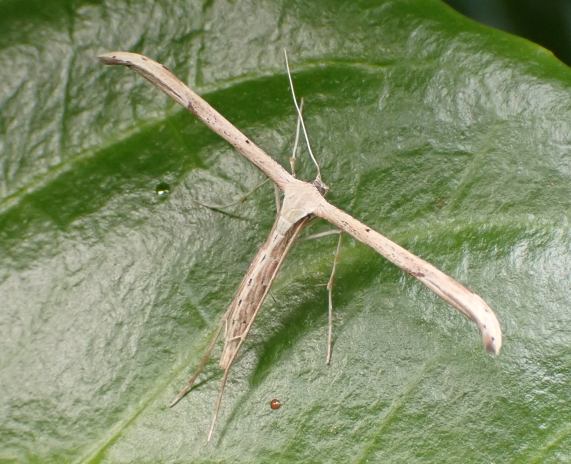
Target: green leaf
450 138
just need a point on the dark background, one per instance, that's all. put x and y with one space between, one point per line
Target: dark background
546 22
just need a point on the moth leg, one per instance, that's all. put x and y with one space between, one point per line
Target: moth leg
237 337
203 361
240 200
323 234
218 402
293 157
330 302
277 196
330 288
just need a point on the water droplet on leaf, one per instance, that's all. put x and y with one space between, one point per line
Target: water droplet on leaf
163 190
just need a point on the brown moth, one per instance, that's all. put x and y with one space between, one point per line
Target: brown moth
302 202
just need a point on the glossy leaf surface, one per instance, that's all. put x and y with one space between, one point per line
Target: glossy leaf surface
452 139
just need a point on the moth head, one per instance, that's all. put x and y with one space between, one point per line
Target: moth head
320 186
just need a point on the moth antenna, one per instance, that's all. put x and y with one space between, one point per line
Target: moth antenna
203 361
300 119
